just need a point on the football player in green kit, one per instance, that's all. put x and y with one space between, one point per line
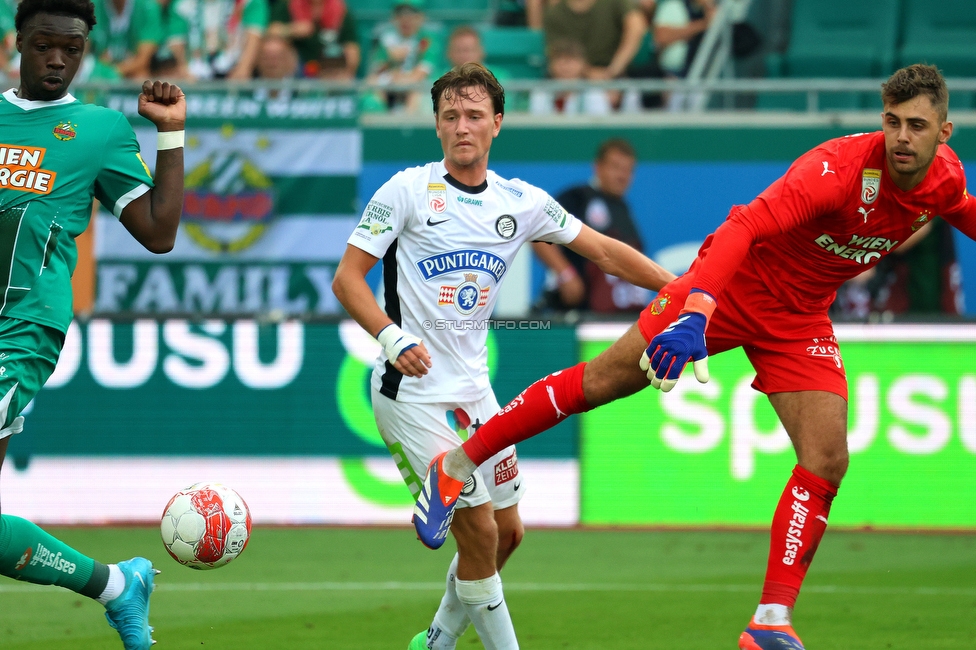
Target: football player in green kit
56 154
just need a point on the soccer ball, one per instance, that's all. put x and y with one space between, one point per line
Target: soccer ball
205 526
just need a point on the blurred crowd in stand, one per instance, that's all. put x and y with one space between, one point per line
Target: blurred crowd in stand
395 42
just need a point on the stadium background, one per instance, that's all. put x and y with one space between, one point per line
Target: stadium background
237 330
228 360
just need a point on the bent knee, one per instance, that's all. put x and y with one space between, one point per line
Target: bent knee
830 465
836 465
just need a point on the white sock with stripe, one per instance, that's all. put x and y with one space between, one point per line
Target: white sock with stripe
485 604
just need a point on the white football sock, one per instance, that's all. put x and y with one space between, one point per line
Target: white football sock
773 615
451 619
457 465
115 586
485 604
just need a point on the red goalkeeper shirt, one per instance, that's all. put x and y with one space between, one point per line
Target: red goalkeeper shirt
833 215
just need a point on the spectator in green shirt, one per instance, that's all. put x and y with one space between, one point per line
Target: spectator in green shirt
406 51
324 34
217 39
8 49
129 34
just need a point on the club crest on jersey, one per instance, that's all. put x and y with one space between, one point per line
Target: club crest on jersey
659 304
923 218
466 297
870 185
65 131
462 260
506 226
437 197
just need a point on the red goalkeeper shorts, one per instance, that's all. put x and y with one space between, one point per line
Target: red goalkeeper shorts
789 351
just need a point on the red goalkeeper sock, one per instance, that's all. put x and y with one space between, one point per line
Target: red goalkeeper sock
539 407
798 526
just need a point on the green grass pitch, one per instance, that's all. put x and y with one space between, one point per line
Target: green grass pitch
320 588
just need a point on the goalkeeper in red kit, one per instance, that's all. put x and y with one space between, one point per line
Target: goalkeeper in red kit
763 281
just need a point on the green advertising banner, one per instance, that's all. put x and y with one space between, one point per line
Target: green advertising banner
281 411
244 388
715 453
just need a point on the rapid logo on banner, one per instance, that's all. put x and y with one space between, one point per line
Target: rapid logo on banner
270 200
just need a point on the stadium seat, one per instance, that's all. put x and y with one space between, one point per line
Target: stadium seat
520 51
943 33
451 12
837 38
371 10
840 38
457 12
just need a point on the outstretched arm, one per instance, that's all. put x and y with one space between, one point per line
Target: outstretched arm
963 218
800 195
153 218
619 259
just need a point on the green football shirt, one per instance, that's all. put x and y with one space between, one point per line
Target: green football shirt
54 157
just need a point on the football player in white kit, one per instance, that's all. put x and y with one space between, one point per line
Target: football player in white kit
447 233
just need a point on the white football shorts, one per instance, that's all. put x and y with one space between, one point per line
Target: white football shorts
415 433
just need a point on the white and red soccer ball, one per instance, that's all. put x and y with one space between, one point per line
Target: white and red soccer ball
205 526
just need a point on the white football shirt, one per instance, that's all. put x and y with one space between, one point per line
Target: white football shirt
446 248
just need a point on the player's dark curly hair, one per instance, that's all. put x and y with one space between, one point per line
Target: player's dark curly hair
27 9
468 75
914 80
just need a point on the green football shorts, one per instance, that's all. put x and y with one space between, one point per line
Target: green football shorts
28 355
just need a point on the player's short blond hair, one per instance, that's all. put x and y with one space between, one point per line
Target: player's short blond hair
468 75
914 80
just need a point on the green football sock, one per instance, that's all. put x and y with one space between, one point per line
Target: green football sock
28 553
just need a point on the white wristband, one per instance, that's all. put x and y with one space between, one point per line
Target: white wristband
395 341
169 140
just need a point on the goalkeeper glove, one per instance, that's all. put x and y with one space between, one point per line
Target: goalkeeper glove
395 341
681 341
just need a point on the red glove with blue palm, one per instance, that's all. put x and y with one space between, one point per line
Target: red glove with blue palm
681 341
